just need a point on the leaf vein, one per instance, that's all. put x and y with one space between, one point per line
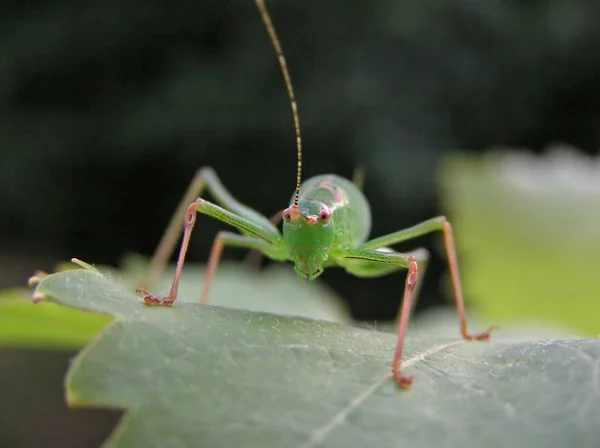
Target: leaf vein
321 433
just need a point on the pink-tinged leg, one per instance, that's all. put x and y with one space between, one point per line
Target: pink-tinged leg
213 264
190 220
277 250
456 286
266 241
233 213
411 283
432 225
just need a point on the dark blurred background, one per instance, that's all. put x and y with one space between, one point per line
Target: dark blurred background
108 108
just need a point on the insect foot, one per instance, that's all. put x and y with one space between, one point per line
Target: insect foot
149 299
481 336
403 381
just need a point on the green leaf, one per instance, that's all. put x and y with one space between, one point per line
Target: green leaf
277 290
527 230
193 375
24 324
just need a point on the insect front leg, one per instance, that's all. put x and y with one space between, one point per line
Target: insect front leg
433 225
371 263
268 240
204 178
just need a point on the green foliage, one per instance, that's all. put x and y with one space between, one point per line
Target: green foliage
46 325
193 375
528 236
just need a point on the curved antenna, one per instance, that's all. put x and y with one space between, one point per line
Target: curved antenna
288 82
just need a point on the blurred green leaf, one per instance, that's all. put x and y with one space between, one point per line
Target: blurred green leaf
45 325
527 230
193 375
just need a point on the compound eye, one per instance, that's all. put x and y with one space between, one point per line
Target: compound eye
324 215
286 215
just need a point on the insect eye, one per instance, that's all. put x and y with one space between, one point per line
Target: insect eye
324 215
286 215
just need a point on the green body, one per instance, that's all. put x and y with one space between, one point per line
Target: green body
349 206
312 244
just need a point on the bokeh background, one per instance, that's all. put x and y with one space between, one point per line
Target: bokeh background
108 108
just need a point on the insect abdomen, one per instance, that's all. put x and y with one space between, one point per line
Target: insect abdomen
351 211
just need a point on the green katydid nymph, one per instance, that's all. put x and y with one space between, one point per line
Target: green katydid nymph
327 224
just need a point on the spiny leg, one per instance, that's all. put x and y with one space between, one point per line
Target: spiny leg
365 262
270 240
204 177
436 224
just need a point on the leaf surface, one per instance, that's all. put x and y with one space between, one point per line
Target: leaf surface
194 375
276 290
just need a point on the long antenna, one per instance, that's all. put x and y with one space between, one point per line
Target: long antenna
288 82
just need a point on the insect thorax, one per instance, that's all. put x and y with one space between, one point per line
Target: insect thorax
349 206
